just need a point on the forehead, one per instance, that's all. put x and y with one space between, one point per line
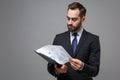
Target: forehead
73 13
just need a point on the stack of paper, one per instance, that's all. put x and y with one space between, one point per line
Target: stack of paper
54 54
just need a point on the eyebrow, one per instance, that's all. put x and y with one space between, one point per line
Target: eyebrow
71 18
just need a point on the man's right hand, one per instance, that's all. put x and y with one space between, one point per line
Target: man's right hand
62 69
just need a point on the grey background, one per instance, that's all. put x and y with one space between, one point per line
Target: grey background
26 25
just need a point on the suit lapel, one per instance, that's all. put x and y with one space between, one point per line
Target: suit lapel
67 44
81 42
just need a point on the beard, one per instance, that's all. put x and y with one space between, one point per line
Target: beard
74 28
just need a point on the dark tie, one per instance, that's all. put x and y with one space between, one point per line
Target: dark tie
74 43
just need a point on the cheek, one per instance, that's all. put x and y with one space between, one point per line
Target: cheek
75 23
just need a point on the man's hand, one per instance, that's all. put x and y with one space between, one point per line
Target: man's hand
62 69
76 64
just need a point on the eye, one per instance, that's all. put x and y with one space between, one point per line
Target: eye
74 19
68 18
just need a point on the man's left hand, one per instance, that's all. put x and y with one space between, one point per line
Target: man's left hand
76 64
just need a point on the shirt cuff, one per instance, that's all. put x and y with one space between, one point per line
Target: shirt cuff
81 67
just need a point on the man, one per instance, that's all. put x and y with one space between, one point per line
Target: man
85 60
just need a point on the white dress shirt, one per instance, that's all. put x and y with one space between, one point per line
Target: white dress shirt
78 35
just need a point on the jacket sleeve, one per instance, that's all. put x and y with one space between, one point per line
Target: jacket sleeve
92 67
51 70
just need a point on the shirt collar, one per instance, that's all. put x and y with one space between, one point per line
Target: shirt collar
78 33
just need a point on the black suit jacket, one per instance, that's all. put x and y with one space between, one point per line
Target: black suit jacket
88 51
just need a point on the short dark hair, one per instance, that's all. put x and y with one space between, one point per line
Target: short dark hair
77 5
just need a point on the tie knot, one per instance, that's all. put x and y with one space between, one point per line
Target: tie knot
75 34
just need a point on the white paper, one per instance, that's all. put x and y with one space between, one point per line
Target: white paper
55 53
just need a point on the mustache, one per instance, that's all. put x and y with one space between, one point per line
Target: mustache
69 25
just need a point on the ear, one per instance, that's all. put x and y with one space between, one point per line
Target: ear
83 18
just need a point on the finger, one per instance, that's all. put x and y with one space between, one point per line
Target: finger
63 66
55 65
74 66
76 61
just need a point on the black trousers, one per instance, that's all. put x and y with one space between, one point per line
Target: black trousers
64 77
67 77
